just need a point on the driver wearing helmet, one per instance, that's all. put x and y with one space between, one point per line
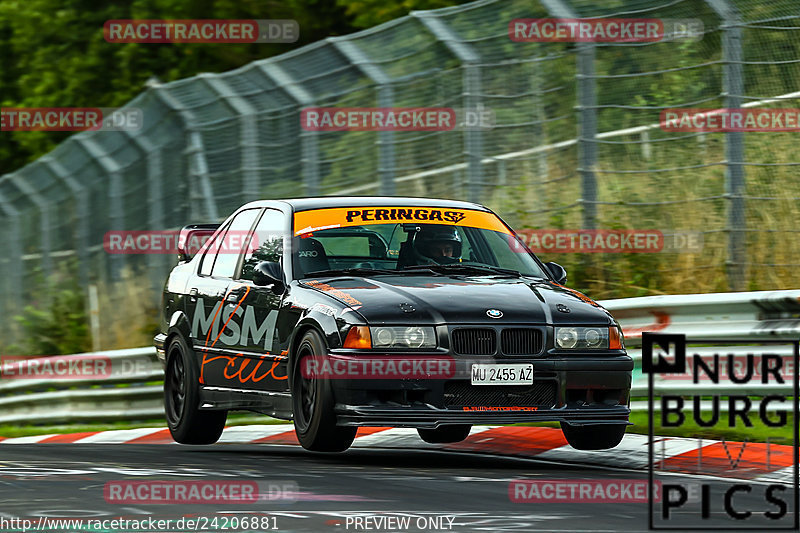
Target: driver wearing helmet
436 243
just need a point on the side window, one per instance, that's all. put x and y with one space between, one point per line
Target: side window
229 247
210 252
266 244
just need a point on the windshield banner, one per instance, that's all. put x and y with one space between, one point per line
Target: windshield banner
341 217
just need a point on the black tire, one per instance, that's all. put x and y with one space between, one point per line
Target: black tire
593 437
313 404
187 423
445 434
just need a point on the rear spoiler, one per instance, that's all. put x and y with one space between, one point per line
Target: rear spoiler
192 238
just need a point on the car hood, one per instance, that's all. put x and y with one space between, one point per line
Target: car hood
461 299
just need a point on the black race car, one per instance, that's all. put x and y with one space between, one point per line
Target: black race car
405 312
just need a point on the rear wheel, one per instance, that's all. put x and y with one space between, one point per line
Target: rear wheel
313 404
445 434
593 437
187 423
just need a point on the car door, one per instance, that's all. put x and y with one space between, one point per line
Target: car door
260 365
213 327
205 293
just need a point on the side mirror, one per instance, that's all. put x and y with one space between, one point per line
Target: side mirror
558 272
192 238
269 273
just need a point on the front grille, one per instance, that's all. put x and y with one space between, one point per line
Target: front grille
474 341
521 341
463 394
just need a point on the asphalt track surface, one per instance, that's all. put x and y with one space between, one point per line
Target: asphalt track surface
463 491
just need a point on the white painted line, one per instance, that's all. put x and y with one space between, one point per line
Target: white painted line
247 434
405 437
118 436
632 452
27 440
393 438
784 476
480 429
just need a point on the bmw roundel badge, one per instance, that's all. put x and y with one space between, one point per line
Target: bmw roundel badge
494 313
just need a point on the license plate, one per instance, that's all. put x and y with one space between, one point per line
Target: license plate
502 374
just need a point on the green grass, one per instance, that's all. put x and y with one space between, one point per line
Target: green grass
13 430
758 433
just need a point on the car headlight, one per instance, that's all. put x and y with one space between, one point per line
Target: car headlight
588 338
566 337
403 337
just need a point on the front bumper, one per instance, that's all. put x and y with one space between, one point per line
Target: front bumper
577 390
159 341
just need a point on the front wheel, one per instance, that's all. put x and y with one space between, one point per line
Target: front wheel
313 404
445 434
187 423
593 437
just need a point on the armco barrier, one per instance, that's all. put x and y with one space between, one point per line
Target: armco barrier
732 315
127 393
130 392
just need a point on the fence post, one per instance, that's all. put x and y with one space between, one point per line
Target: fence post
157 263
386 156
44 209
12 299
94 318
587 124
195 150
647 149
309 144
248 135
116 207
733 87
540 186
81 196
587 117
470 61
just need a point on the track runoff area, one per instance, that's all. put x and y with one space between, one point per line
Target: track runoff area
507 478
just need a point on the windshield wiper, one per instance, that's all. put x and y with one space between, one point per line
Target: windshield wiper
462 268
348 271
367 271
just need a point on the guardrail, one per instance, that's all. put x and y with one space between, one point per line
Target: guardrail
722 316
126 391
130 390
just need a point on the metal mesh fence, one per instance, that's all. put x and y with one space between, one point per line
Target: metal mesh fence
576 144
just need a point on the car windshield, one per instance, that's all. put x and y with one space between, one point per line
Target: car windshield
467 242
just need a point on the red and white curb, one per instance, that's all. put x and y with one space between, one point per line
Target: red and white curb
756 461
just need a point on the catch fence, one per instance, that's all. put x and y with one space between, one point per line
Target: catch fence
573 146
